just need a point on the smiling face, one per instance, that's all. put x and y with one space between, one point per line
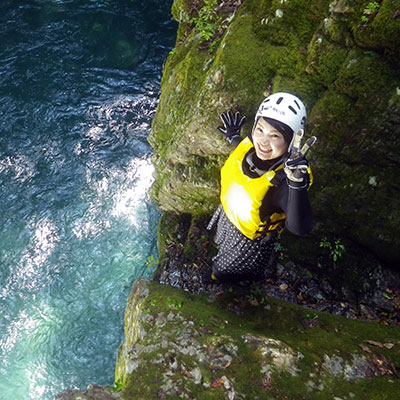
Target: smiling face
269 143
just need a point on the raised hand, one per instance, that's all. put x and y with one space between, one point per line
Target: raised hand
296 166
232 124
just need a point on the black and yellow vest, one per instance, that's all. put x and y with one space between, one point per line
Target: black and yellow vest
241 196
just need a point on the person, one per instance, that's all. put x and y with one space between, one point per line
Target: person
264 188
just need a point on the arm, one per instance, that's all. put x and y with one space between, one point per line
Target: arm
299 218
294 203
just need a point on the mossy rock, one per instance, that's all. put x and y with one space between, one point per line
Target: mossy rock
382 30
346 74
244 346
325 59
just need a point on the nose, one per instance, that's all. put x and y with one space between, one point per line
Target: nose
264 139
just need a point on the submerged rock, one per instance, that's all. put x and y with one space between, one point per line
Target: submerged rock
93 392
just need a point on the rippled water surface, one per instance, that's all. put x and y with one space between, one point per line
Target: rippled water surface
79 83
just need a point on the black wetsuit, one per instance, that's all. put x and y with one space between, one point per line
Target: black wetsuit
240 258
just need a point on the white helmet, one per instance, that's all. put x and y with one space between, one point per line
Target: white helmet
284 107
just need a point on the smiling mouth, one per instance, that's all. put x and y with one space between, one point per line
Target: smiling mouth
264 150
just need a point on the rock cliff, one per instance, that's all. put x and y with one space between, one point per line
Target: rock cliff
342 58
244 345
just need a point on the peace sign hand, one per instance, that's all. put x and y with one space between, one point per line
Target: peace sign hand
296 166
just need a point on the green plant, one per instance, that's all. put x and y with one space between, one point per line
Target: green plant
175 304
336 249
151 261
278 247
256 295
117 386
371 8
207 20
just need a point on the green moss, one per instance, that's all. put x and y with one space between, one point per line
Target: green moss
369 75
382 31
217 331
282 22
182 13
347 84
325 60
246 69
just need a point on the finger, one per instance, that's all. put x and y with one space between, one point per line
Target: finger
222 130
302 168
230 117
297 142
307 145
241 122
237 118
224 119
294 175
294 162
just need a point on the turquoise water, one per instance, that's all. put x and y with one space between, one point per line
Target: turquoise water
79 83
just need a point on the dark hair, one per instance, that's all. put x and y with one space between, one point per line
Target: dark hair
286 131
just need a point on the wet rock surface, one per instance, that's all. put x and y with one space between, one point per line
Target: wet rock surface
374 295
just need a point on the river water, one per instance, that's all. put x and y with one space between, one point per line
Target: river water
79 83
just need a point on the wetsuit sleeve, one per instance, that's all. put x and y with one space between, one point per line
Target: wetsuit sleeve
295 203
235 141
299 219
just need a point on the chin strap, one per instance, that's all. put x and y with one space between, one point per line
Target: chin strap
252 166
279 173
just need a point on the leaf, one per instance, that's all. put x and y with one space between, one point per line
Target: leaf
266 382
254 303
388 345
217 383
284 286
227 365
381 366
311 316
186 372
365 348
374 343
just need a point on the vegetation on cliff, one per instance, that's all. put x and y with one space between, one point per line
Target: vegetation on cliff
243 345
341 58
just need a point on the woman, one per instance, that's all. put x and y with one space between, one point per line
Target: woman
264 187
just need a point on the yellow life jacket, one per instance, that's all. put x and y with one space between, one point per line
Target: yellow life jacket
241 196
